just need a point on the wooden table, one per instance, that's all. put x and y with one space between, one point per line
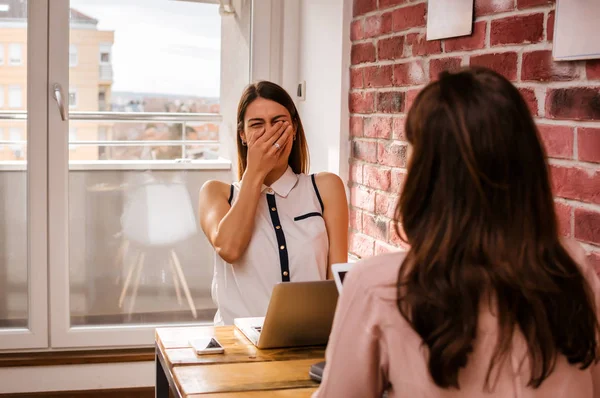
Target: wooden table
242 371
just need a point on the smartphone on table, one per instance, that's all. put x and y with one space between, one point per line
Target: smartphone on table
206 345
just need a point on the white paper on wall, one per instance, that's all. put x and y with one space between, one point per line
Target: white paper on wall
449 18
577 30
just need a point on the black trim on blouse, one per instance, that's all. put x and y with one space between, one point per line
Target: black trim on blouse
230 194
312 177
284 260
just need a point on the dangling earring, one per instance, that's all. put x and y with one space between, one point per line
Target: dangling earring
294 137
244 143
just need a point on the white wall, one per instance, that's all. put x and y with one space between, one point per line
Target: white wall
324 60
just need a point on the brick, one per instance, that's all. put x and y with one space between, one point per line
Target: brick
356 30
576 183
409 74
364 150
409 17
374 26
356 126
503 63
390 102
574 103
398 132
533 3
378 127
391 48
385 204
563 217
356 172
391 154
593 69
362 199
550 26
593 259
361 245
390 3
437 66
487 7
375 226
377 177
356 78
530 98
475 41
411 95
355 219
362 102
587 226
398 177
384 248
588 144
379 76
539 66
558 140
418 45
517 30
360 7
362 52
396 234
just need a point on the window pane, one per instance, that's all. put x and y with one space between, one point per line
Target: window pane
136 254
14 97
72 55
14 54
13 167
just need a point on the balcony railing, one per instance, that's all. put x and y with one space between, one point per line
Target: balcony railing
188 146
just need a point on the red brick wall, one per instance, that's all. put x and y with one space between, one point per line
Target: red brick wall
391 61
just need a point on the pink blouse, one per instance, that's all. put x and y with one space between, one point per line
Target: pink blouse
373 348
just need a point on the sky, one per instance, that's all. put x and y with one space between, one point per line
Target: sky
161 46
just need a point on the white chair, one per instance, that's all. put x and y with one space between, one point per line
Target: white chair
156 215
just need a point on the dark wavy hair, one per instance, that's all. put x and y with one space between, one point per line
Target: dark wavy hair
299 159
478 214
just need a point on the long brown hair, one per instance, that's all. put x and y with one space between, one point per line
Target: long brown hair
478 214
299 158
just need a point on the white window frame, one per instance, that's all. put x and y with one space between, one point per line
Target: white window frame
15 61
15 92
15 134
62 335
73 56
35 336
1 54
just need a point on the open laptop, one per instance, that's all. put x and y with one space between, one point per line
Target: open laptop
339 273
299 314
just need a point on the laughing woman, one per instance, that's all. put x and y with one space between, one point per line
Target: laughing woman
277 224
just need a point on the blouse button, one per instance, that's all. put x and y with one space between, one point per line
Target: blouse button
282 247
285 273
278 227
273 209
270 190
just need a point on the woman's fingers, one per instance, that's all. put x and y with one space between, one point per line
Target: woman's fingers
282 141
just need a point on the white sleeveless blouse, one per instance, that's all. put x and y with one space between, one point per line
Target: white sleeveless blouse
289 243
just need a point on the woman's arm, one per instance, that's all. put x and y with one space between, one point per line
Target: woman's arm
335 214
353 358
229 228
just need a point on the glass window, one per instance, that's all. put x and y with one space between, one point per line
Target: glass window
1 96
14 54
1 54
15 99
